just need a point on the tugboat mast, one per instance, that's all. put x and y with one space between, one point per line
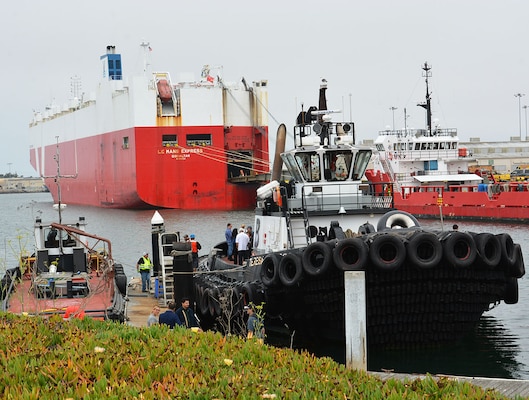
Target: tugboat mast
427 106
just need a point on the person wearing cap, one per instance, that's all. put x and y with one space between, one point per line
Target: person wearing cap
186 238
254 326
143 266
195 247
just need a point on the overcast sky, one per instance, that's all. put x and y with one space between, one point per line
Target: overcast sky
370 52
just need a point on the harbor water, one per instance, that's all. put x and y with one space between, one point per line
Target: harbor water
499 346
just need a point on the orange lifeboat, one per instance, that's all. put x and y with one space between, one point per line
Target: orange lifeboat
164 90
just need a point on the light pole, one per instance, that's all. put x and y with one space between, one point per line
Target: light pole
525 109
393 112
519 95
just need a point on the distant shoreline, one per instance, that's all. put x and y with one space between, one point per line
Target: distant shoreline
22 185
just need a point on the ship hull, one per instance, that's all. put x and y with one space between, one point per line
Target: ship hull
505 206
145 174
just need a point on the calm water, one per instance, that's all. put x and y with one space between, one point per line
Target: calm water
498 348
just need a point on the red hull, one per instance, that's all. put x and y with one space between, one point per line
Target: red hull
505 206
141 168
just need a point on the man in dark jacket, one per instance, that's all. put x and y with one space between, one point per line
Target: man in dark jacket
169 317
186 314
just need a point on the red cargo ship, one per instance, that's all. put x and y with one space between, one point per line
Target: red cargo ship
148 141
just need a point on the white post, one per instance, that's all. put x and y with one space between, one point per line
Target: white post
355 320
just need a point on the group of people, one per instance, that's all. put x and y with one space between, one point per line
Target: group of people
240 243
184 316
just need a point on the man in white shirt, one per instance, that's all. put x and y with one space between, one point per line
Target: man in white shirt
241 241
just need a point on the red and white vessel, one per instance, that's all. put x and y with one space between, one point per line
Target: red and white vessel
428 172
148 141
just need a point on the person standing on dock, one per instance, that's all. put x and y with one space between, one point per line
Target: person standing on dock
144 266
229 241
195 247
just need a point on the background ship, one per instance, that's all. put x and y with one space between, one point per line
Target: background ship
147 141
431 175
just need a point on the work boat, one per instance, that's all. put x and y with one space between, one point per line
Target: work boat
431 175
423 287
66 276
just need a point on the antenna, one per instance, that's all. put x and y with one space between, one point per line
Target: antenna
427 106
146 49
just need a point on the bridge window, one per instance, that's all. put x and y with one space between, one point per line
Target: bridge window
169 140
337 165
309 164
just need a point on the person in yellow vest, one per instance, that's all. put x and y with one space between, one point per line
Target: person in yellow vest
195 247
144 266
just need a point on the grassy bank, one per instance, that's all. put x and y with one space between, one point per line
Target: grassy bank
45 359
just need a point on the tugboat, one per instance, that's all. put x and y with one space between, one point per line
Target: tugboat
66 275
424 287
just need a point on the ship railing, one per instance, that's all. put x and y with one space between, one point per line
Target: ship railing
335 197
419 132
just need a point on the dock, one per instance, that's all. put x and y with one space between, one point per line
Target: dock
511 388
140 305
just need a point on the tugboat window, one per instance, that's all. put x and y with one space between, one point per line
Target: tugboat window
309 164
360 165
337 165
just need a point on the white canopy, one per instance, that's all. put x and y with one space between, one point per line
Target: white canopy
448 178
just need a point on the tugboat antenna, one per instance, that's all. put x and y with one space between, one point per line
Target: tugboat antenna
427 106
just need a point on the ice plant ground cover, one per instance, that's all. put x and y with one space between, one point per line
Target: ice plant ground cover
52 358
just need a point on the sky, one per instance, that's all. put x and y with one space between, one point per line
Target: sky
370 53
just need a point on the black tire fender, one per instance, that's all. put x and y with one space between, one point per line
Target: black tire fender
507 248
424 250
270 270
459 249
489 249
387 252
204 301
517 268
511 291
121 283
351 255
290 269
317 259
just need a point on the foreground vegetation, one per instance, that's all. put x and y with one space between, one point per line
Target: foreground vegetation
44 359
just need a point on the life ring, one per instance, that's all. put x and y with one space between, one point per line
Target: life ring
459 249
507 249
511 293
270 270
351 255
317 258
290 270
397 219
424 250
517 268
387 252
489 250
